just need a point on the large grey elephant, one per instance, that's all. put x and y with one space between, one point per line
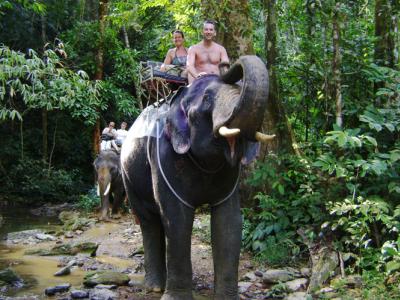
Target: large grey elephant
109 179
192 157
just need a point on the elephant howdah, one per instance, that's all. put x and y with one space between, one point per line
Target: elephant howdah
193 158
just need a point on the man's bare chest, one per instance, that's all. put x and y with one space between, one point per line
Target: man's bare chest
208 56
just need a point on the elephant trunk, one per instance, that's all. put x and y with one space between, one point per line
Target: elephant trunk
242 105
104 181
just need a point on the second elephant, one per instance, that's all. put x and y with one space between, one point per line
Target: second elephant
110 186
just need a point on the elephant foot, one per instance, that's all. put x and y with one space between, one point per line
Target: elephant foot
104 219
116 215
177 295
154 286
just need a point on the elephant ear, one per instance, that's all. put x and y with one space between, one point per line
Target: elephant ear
177 129
251 151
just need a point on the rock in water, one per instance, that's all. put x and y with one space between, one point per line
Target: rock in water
63 271
45 237
66 249
9 276
105 277
61 288
79 294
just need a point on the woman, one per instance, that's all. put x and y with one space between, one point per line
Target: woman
176 56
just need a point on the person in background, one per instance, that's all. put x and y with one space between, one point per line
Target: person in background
204 57
107 137
176 56
121 134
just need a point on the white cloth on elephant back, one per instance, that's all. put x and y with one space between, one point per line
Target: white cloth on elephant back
145 123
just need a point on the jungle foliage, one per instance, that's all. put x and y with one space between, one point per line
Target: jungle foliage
335 76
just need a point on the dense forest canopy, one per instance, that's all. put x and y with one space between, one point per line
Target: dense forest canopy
69 67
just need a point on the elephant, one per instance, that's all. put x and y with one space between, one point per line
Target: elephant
109 179
191 157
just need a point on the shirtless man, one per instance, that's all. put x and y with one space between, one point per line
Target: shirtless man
204 57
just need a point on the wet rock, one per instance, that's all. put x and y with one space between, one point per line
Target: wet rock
102 294
297 284
105 277
258 273
68 235
298 296
244 286
9 276
61 288
86 247
66 249
63 271
277 275
72 262
45 237
72 221
23 235
21 298
306 272
250 276
79 294
107 286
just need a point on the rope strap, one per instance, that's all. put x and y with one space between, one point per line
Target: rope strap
158 135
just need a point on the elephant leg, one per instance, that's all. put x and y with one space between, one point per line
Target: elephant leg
178 223
105 207
154 253
118 197
226 236
153 239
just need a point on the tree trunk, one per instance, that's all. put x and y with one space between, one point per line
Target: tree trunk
311 93
275 120
44 110
385 43
234 29
336 62
103 5
126 37
395 30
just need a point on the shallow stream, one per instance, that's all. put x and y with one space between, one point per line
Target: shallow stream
36 271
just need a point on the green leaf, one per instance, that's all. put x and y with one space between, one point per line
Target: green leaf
393 265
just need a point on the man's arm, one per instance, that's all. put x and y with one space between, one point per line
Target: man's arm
224 56
190 63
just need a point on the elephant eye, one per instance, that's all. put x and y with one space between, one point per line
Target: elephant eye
193 116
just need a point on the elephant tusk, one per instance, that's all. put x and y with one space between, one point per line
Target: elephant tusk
98 190
263 138
228 132
107 189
